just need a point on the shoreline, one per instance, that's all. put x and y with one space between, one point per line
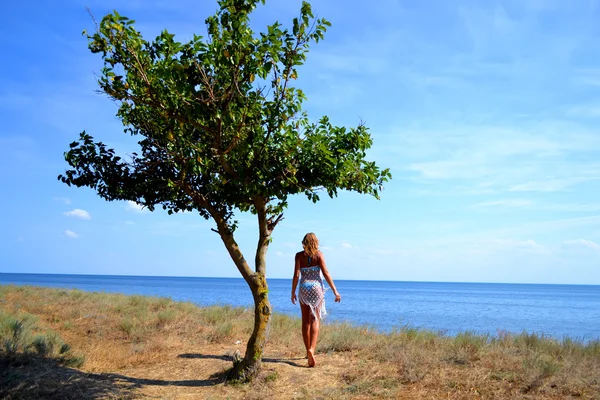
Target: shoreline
331 319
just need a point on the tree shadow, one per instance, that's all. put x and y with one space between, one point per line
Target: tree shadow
40 378
46 379
288 361
205 356
139 382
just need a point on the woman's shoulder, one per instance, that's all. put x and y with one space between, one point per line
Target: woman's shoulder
299 254
318 257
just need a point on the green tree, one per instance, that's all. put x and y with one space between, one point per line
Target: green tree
221 130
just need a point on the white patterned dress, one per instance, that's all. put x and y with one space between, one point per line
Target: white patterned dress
312 290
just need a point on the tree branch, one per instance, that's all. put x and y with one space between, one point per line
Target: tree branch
120 96
272 224
264 236
231 245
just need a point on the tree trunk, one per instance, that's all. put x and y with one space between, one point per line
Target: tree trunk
248 367
244 369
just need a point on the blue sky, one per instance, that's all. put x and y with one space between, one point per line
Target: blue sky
486 112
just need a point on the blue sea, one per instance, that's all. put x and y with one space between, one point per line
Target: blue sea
553 310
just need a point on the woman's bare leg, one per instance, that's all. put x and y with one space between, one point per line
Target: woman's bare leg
314 336
306 316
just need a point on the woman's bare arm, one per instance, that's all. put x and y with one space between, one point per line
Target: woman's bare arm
295 278
328 278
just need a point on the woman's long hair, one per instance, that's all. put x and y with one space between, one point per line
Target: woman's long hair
311 244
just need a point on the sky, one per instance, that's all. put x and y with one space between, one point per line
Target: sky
486 112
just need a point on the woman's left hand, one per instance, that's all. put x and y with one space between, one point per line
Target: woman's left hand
338 298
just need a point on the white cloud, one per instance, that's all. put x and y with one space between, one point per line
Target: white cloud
543 5
583 243
494 246
346 245
524 244
135 207
128 222
585 111
64 200
574 207
78 213
520 156
348 62
587 77
557 224
550 185
519 229
503 204
70 234
459 168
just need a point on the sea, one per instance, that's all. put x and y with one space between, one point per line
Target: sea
557 311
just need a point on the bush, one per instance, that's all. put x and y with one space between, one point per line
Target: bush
23 341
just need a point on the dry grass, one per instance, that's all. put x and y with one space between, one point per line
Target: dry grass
139 347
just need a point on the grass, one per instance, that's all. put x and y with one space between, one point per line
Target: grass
24 342
137 346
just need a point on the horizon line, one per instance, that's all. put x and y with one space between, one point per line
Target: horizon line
339 280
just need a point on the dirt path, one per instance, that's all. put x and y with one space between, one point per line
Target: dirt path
197 374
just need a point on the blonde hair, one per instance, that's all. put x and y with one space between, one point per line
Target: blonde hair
311 244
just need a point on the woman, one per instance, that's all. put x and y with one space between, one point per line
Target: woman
309 265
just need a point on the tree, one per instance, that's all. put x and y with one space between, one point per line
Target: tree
222 130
